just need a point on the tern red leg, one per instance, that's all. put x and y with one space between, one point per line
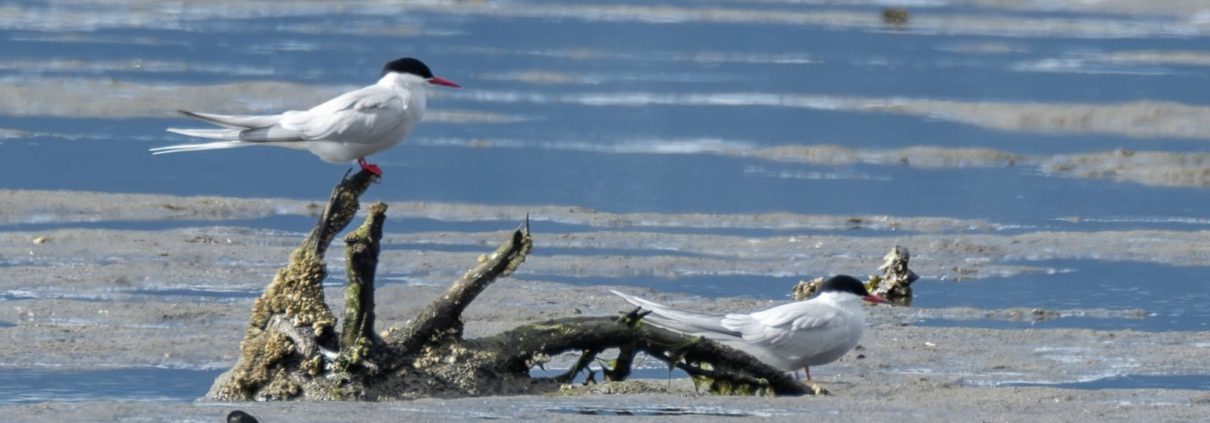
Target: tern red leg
808 370
368 167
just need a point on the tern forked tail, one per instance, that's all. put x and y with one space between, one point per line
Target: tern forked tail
700 324
237 131
217 145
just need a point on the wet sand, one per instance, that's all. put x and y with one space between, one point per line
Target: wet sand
81 299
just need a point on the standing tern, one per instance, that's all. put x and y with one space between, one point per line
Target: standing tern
791 336
349 127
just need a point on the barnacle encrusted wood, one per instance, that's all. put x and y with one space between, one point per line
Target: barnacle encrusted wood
292 349
894 284
291 327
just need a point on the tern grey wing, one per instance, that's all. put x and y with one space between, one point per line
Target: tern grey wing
362 116
801 333
774 325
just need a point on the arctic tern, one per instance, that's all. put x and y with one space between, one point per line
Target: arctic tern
349 127
791 336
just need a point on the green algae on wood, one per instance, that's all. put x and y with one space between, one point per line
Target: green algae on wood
361 258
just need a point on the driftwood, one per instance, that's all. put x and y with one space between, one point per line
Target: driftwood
895 283
292 349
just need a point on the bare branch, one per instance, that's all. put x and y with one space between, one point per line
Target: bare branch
342 207
442 318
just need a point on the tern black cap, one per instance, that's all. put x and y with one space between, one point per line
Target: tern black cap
844 283
408 65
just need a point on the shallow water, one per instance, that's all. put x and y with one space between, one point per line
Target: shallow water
129 384
195 294
651 411
1135 382
1172 296
639 110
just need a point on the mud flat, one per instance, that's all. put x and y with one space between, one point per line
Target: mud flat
904 373
78 299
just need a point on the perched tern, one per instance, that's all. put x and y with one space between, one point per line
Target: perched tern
349 127
790 336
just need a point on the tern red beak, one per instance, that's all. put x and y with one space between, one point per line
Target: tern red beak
874 299
437 80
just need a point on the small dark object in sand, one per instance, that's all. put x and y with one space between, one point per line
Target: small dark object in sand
238 416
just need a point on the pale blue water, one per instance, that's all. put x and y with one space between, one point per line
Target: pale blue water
1136 382
658 68
37 385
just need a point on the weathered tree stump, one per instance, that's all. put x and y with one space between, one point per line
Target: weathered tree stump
292 350
291 334
895 283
